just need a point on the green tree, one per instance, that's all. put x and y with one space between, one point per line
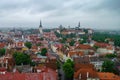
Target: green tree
2 51
72 43
58 34
95 47
100 37
110 56
43 51
71 62
108 66
28 44
32 63
68 69
21 58
63 40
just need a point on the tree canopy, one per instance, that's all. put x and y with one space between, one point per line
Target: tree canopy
72 43
68 68
70 61
63 40
43 51
21 58
100 37
58 34
28 44
108 66
110 56
2 51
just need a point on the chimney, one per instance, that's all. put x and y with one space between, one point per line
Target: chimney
87 74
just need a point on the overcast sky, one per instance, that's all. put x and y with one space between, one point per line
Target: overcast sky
96 14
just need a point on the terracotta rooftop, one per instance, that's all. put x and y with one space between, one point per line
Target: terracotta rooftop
83 46
72 53
82 59
85 73
48 75
103 45
107 76
34 47
82 66
2 45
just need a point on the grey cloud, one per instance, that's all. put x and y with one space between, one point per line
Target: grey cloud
66 12
112 6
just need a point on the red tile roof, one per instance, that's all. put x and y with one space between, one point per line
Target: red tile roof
107 76
71 53
90 73
48 75
34 47
2 45
103 45
82 66
83 46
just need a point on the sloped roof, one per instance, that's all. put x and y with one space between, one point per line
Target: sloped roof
71 53
107 76
83 46
89 72
80 66
47 75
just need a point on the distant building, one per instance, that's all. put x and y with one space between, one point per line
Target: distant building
40 28
79 25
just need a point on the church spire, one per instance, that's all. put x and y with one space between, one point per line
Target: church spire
40 28
40 24
79 25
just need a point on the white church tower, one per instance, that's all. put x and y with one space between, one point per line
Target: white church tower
40 28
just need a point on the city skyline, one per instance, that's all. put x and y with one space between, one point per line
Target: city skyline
100 14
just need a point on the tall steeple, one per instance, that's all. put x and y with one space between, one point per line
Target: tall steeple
40 24
40 28
79 25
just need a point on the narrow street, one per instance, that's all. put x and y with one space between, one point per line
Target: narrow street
58 59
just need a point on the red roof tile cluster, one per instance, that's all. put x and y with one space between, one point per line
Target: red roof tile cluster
82 66
83 46
48 75
49 35
34 47
85 73
2 45
103 45
107 76
71 53
82 60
